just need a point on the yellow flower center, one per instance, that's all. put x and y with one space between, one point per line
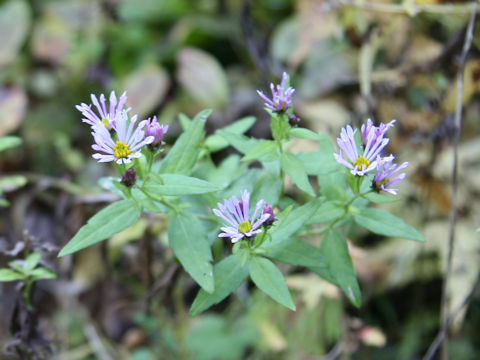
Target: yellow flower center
245 227
361 162
105 122
121 150
383 182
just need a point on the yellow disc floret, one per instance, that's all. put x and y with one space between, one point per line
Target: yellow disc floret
245 227
361 162
121 150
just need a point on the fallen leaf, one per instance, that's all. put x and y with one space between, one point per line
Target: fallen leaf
13 105
203 78
146 88
14 25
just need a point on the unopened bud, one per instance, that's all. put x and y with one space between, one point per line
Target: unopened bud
158 131
268 209
129 177
293 119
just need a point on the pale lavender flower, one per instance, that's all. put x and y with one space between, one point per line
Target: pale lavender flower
359 164
126 145
158 131
106 114
236 213
378 130
281 99
388 174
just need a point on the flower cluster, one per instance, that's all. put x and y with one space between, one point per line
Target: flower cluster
236 213
364 158
118 137
281 99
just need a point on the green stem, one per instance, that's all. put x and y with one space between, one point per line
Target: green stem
347 206
161 200
151 157
27 294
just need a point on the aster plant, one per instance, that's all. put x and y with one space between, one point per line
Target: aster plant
244 210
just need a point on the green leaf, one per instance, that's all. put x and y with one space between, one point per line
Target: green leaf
302 133
313 164
31 261
177 185
379 198
187 238
240 142
297 253
333 186
217 142
8 142
12 182
42 273
10 275
182 157
288 225
228 275
110 220
270 280
264 150
340 268
328 211
296 171
184 121
383 223
268 188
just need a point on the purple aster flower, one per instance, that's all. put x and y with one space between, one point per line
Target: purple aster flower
106 114
359 164
281 99
158 131
236 213
378 130
388 174
126 145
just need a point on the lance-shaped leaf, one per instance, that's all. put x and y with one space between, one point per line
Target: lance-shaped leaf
10 275
297 253
264 150
187 238
216 142
294 168
383 223
270 280
340 270
8 142
110 220
183 155
228 274
288 225
177 185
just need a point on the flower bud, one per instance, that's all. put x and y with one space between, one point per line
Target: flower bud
158 131
129 177
268 209
293 120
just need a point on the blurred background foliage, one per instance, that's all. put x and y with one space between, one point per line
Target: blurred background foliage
129 299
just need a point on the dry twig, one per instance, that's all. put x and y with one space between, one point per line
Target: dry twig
445 318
